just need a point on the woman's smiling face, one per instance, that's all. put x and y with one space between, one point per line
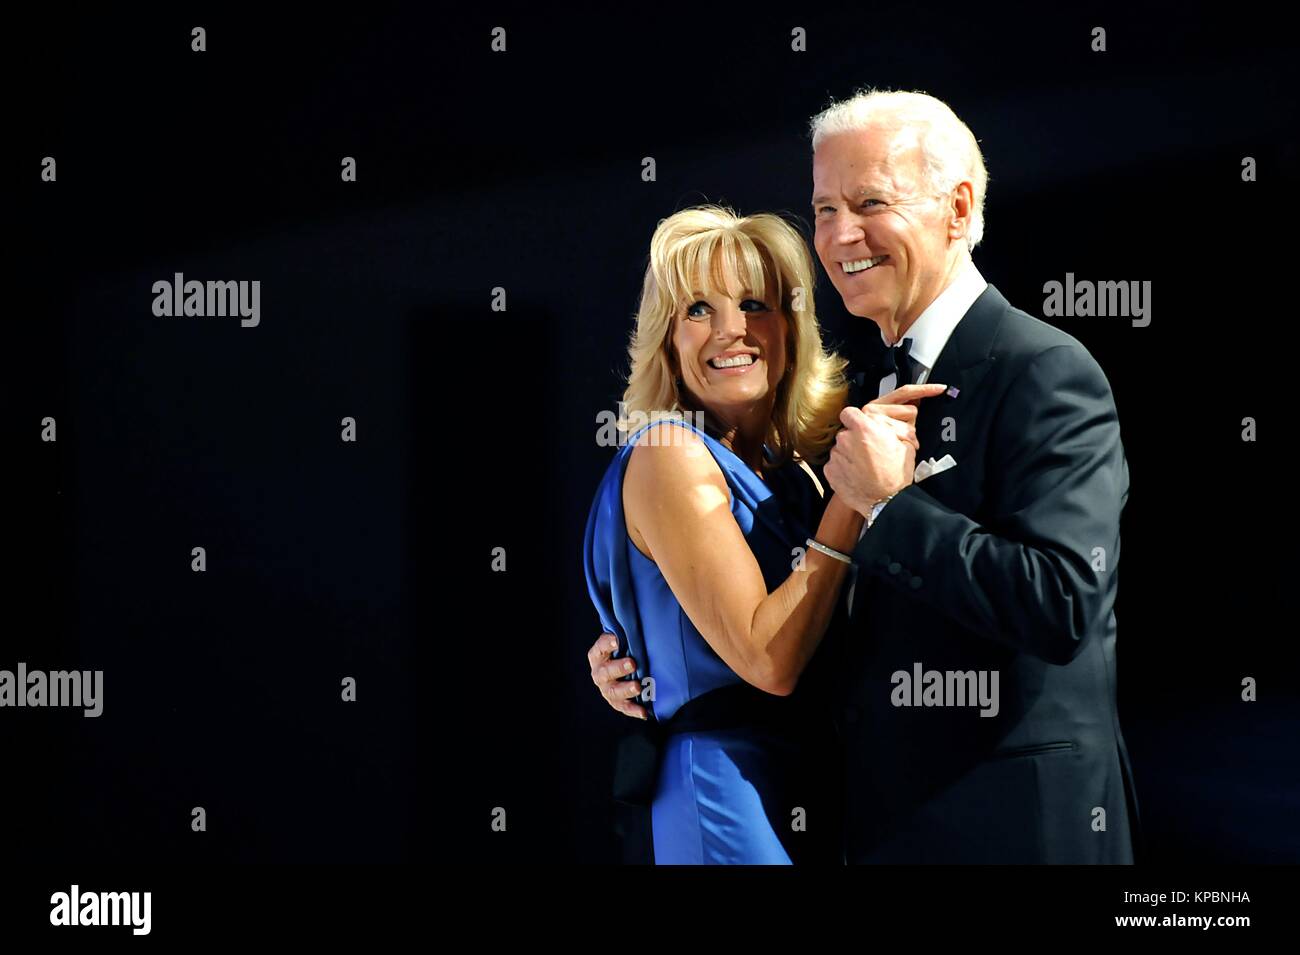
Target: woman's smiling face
731 348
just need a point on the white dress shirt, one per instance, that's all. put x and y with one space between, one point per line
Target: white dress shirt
931 331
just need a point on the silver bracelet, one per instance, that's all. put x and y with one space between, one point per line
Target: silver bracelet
829 551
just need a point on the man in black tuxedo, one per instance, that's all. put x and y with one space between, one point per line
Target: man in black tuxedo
979 718
1001 565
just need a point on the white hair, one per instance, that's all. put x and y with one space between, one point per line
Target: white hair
950 153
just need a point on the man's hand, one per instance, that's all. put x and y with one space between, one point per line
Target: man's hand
607 674
875 455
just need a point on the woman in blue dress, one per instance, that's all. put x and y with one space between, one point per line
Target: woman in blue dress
710 554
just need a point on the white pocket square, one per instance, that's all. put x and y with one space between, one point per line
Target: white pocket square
932 467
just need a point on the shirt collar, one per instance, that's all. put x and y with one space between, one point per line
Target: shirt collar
931 331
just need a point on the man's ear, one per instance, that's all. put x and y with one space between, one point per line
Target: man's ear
961 205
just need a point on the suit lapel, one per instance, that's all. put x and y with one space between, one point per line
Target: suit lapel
963 363
965 360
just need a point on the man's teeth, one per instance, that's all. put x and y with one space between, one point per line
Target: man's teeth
732 362
862 264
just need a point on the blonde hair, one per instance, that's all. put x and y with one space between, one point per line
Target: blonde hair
691 251
950 153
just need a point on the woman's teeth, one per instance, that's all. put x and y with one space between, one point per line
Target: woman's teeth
733 362
863 264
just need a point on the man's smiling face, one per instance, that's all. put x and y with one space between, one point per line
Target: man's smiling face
881 233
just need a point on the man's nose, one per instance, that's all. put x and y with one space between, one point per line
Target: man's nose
846 230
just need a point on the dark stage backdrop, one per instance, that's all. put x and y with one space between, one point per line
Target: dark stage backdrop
475 429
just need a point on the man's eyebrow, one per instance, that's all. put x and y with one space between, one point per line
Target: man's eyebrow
873 189
885 188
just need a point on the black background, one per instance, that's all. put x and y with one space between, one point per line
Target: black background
477 428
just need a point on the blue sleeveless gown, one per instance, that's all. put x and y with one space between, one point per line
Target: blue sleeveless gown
725 797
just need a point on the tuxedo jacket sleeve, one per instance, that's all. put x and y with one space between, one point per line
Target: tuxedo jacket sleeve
1032 573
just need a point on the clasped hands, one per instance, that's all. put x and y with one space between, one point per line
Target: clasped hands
874 456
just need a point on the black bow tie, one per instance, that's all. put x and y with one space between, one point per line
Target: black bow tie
899 361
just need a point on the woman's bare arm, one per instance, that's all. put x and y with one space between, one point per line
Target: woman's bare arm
676 502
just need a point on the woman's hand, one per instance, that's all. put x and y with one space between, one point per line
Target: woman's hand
909 395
